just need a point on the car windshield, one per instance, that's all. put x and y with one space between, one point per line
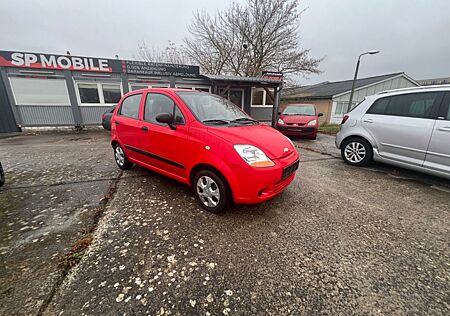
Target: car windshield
308 110
212 109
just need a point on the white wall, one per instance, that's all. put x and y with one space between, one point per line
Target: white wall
360 94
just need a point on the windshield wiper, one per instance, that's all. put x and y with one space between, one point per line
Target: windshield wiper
244 119
216 121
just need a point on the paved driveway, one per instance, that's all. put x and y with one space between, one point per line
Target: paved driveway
339 240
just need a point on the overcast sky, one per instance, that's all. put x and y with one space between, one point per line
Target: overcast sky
413 35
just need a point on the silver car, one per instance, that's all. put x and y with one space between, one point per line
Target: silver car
408 128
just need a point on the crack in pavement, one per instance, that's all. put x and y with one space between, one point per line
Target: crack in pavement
108 197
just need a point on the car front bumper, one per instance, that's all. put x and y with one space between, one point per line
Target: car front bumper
297 130
255 185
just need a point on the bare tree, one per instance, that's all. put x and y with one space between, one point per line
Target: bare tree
172 53
246 39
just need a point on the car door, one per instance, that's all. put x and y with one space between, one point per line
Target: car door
438 154
401 125
128 125
165 146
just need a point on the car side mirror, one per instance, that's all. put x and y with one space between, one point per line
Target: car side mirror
320 114
165 118
279 113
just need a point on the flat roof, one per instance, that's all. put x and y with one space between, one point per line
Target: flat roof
259 80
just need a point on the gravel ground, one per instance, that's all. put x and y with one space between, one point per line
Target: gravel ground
339 240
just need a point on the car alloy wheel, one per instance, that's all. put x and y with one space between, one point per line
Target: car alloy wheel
121 159
120 156
208 191
355 152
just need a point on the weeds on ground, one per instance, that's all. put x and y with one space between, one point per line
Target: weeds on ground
331 129
77 251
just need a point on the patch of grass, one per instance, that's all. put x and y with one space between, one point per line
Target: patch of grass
330 129
77 251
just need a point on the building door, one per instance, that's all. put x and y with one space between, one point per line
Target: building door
237 97
7 121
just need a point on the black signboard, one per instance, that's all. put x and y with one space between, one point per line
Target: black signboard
77 63
159 69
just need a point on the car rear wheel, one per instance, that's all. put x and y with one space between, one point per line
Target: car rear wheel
121 159
211 191
357 152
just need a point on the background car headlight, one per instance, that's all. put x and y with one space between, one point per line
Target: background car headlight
311 123
280 121
254 156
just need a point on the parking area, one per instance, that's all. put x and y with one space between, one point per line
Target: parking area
339 240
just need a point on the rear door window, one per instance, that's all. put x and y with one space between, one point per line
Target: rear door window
130 106
418 105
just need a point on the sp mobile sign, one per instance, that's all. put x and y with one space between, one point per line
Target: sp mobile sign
77 63
60 62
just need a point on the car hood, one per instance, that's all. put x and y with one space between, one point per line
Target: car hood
273 143
297 119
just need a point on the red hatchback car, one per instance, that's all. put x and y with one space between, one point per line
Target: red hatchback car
299 120
204 141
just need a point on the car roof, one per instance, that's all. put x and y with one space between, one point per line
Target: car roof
436 88
167 89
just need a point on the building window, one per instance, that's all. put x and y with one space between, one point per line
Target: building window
260 98
88 93
98 94
39 91
341 107
138 86
111 93
198 88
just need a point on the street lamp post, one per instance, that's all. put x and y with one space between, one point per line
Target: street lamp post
372 52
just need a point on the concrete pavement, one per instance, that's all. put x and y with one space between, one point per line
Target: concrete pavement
339 240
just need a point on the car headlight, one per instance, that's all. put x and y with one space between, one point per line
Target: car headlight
280 121
311 123
254 156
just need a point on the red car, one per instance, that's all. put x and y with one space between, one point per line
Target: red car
204 141
299 120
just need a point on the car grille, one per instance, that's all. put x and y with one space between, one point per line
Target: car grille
287 171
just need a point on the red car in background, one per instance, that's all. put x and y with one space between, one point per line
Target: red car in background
204 141
299 120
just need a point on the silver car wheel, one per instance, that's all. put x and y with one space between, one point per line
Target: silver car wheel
355 152
208 191
120 156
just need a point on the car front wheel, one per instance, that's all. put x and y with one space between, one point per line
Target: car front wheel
357 152
2 176
211 191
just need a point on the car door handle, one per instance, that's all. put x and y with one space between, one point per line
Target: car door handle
117 122
368 121
445 129
144 128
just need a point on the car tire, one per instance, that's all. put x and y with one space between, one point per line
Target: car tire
2 176
357 152
121 159
211 191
